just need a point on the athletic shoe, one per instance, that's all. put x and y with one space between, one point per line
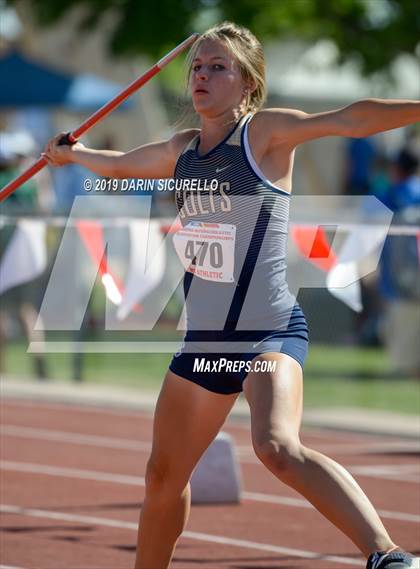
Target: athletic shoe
393 560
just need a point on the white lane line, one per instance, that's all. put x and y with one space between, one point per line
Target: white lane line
90 440
385 447
72 407
146 412
139 481
407 473
401 473
275 499
9 567
72 473
299 503
199 536
74 438
387 469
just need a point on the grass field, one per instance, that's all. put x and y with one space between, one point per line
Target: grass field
334 376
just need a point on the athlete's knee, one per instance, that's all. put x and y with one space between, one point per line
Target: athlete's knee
163 478
280 455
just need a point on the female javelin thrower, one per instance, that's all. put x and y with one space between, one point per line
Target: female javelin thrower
249 152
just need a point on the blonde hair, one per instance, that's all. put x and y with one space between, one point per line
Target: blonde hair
249 54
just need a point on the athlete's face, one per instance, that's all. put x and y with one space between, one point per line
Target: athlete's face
216 82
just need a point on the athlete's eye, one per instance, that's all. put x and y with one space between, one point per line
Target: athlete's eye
218 67
196 67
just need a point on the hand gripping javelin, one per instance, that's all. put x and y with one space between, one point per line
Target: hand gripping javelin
72 137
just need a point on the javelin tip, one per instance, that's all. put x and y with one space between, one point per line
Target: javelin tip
181 47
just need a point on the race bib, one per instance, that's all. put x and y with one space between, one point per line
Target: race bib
207 250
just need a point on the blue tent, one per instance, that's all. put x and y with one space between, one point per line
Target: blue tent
30 83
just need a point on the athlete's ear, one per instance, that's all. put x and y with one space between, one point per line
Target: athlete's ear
251 86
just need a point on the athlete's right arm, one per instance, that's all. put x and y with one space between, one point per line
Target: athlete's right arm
155 160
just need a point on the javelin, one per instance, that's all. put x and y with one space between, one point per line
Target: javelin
72 137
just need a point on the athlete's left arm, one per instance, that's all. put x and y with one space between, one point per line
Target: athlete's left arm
360 119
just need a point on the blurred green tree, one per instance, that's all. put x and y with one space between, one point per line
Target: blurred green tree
374 32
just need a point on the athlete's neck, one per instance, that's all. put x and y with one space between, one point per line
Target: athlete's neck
215 129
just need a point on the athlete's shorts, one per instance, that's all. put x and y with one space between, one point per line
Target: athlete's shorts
225 372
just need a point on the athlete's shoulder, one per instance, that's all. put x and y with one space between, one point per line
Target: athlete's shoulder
181 139
275 125
267 129
274 118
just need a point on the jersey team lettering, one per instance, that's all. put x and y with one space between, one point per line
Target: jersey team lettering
207 250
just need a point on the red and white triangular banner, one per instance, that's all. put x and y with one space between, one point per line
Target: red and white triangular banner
147 263
91 234
25 257
343 278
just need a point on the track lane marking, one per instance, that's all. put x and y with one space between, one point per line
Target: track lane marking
408 473
345 437
76 407
72 473
140 481
198 536
402 473
299 503
131 444
74 438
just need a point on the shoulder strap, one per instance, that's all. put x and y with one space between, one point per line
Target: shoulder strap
192 143
235 139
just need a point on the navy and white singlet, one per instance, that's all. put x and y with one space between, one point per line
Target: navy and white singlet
233 246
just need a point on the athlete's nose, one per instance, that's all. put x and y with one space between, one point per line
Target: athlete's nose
202 74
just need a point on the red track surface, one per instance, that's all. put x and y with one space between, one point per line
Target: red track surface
73 501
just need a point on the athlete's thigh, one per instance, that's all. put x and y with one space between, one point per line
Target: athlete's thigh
187 418
275 398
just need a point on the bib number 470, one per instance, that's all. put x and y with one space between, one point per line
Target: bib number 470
196 252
